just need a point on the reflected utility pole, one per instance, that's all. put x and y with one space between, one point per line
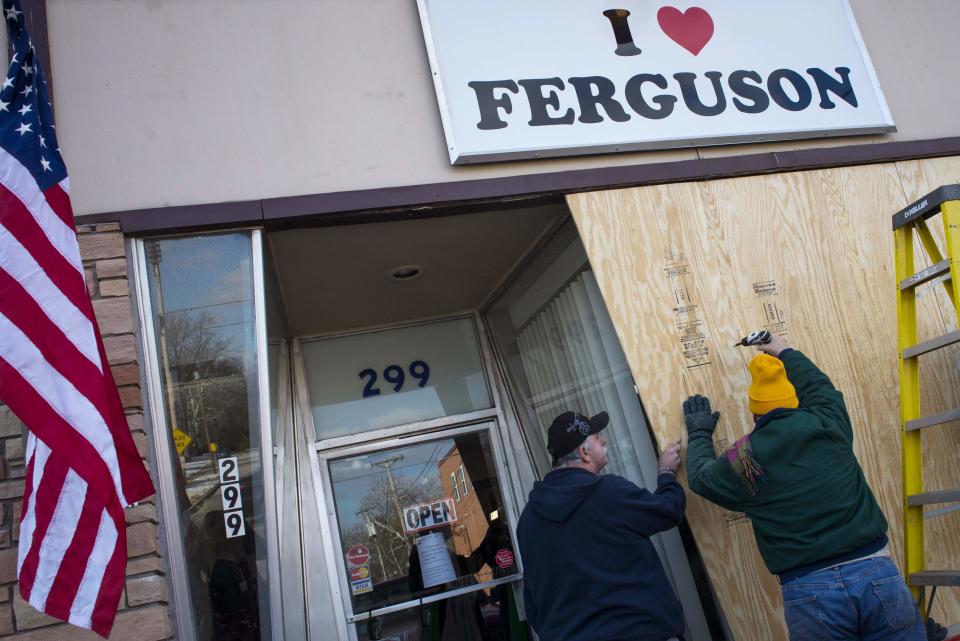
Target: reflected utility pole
154 257
388 464
374 540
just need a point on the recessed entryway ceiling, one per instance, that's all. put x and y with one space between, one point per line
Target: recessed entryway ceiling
336 278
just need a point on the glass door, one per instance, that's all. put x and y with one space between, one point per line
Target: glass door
416 512
421 537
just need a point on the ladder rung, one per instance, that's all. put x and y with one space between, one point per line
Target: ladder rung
935 577
933 419
925 275
929 498
932 344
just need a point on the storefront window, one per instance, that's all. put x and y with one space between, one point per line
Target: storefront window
379 379
404 536
562 353
202 306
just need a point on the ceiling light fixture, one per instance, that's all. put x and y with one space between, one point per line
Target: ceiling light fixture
404 273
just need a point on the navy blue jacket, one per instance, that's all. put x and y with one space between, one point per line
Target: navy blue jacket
590 570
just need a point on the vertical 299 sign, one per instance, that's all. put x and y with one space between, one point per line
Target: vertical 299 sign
230 495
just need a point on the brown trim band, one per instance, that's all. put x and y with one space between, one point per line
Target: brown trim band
421 201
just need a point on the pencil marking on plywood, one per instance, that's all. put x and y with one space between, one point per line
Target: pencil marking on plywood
693 338
767 293
765 288
735 520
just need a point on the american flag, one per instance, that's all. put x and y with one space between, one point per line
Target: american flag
82 465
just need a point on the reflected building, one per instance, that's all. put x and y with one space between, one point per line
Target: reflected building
471 526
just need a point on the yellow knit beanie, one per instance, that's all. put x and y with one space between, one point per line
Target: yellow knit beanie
770 388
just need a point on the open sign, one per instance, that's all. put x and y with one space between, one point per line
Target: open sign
429 515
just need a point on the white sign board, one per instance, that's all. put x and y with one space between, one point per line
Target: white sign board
546 78
436 568
233 521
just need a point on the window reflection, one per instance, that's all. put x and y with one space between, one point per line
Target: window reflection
201 291
405 535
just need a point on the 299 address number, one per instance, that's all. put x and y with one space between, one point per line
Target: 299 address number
395 375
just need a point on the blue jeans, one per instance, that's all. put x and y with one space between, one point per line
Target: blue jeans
863 600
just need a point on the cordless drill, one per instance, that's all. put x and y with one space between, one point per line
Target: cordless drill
755 338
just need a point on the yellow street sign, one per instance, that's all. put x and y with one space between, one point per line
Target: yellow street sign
181 440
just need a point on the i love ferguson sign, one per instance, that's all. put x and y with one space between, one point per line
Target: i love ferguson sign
540 78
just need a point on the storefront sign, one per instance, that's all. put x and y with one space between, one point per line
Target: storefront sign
230 498
561 77
436 567
358 555
361 586
360 580
360 573
429 515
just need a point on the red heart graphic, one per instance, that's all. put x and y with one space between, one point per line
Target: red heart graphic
691 29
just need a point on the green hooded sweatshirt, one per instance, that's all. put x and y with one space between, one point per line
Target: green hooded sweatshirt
796 476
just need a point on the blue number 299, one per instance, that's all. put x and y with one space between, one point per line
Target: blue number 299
394 375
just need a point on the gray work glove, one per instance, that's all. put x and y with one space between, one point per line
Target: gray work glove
700 422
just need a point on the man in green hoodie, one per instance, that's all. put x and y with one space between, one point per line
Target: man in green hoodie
817 524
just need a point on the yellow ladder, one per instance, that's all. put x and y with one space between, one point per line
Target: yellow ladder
946 202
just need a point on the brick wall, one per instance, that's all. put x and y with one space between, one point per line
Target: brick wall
144 615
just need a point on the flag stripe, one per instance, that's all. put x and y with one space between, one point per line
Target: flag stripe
17 262
135 486
35 466
81 612
18 180
61 353
28 452
68 279
29 405
61 396
45 500
76 558
59 202
105 608
66 515
22 310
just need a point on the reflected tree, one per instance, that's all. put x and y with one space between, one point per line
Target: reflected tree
382 529
208 382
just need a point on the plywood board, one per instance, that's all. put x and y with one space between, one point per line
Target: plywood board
687 269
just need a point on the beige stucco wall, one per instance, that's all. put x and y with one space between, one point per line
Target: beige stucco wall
171 102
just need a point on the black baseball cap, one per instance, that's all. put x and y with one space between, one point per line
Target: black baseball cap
569 430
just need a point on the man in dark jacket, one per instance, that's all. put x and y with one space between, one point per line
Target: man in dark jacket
817 524
590 570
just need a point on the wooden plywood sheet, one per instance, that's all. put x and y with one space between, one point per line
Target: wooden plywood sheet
687 269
